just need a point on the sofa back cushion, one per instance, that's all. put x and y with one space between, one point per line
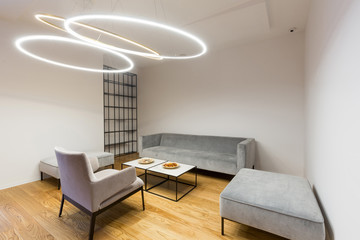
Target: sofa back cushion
201 143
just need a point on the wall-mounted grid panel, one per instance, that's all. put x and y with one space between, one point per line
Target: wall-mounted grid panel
120 112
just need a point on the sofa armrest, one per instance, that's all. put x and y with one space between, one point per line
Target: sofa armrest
246 154
149 141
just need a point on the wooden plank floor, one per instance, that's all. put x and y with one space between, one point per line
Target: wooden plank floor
30 211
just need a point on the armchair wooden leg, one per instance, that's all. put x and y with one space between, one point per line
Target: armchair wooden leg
62 205
92 226
142 196
222 226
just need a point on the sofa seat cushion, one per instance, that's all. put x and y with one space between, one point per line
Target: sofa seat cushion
218 162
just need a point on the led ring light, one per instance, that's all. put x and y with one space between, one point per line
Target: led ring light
74 20
20 41
41 18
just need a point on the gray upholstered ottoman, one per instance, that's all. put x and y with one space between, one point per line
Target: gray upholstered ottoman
104 158
281 204
49 165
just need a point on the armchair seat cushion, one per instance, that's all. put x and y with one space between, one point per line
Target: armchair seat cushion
204 160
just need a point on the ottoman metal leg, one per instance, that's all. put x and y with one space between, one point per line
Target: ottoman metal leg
222 226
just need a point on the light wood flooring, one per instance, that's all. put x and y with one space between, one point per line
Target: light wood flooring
30 211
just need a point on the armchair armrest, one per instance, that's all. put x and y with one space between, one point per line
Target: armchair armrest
149 141
107 186
245 154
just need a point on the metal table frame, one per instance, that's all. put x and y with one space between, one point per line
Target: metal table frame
166 179
176 184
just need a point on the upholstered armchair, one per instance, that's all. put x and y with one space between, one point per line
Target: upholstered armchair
92 192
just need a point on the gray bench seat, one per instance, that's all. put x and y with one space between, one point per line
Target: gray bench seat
281 204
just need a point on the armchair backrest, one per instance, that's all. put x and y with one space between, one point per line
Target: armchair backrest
76 175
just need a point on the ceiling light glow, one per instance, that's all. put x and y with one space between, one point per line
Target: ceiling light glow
22 40
42 17
75 20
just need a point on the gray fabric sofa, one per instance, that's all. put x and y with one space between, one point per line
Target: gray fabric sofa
213 153
281 204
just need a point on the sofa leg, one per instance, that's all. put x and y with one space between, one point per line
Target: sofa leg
253 167
41 176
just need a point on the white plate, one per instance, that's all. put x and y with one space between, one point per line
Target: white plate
145 160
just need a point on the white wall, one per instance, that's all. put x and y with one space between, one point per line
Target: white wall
43 106
333 112
254 90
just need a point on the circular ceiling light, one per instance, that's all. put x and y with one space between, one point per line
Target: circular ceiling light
42 17
74 20
20 41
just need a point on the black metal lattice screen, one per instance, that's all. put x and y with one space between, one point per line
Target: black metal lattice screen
120 113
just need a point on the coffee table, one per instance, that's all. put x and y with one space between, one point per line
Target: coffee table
156 167
145 167
175 172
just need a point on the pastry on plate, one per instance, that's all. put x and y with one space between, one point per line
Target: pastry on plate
170 165
145 160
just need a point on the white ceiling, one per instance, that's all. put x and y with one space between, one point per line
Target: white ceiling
219 23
